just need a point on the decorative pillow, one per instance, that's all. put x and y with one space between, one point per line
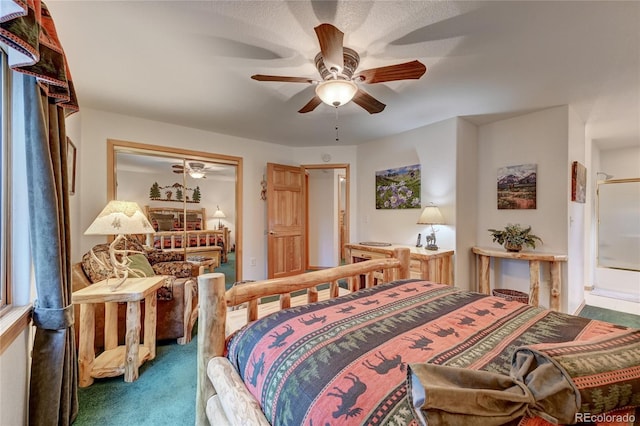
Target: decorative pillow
164 224
177 269
161 216
559 382
93 269
140 266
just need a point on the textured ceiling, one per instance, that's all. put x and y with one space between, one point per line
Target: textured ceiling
189 63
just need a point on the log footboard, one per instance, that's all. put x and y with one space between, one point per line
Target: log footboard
215 302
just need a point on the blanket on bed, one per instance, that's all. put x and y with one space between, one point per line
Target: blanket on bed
344 361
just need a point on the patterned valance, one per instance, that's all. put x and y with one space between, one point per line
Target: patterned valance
27 28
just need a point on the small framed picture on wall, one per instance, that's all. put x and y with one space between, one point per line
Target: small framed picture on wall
578 182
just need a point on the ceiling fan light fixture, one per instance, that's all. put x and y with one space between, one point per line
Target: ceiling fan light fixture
196 174
336 92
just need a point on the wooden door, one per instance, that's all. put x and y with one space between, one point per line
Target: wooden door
285 220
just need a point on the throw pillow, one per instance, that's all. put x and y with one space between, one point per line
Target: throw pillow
140 266
165 224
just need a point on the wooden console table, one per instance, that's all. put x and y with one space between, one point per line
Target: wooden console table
432 265
534 258
117 360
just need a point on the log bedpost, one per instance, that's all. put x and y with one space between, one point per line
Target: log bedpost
402 254
211 335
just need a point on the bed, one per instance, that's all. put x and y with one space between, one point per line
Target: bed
361 358
175 225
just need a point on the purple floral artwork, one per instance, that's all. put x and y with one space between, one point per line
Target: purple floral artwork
398 188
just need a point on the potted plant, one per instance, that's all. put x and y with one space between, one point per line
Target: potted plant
515 237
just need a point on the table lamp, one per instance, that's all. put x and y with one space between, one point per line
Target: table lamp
219 214
119 218
431 216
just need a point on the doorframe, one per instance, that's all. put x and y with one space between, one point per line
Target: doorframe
347 207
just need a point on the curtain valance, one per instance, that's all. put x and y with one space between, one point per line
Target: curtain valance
27 28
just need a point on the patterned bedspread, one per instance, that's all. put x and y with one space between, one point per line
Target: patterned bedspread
344 361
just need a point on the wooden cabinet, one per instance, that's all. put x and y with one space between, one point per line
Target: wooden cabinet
432 265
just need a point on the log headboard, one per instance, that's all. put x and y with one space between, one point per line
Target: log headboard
170 222
172 218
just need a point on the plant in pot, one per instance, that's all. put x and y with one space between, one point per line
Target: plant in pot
515 237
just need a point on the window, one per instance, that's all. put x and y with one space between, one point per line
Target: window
4 178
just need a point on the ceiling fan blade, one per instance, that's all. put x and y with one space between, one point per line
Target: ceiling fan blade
311 105
330 39
368 102
261 77
406 71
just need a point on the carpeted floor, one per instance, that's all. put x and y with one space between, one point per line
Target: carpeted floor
165 392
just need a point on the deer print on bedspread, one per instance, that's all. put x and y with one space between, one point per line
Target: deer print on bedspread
344 361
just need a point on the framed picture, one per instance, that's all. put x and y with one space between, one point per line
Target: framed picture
71 166
398 188
578 182
517 187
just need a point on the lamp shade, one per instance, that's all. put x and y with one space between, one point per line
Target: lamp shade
336 92
219 214
120 217
431 216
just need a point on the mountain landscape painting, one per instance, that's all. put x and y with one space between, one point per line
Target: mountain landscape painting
517 187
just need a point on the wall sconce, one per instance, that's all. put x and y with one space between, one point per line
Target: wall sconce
263 191
430 216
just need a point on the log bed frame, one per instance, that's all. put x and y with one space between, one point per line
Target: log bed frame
215 302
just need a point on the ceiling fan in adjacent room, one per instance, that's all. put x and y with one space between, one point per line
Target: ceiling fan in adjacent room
194 169
340 82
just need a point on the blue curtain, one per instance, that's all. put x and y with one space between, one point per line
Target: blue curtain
27 28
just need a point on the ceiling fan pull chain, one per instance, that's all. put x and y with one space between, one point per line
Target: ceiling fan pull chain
337 135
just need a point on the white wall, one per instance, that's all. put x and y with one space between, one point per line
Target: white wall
538 138
466 212
577 249
434 147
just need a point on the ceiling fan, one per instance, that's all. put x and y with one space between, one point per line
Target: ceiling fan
337 67
194 169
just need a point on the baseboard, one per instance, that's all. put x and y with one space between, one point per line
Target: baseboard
580 308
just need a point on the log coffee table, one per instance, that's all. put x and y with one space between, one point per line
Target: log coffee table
199 263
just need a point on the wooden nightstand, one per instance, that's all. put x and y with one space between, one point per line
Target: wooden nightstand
117 360
432 265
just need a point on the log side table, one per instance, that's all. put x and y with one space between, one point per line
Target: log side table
117 360
534 258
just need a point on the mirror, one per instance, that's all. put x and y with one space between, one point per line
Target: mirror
188 196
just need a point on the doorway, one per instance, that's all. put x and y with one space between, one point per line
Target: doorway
327 214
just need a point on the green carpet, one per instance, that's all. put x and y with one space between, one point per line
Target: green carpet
608 315
166 390
164 394
229 270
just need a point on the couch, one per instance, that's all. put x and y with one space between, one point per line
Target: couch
177 298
